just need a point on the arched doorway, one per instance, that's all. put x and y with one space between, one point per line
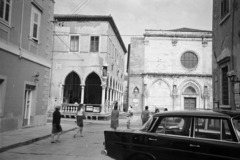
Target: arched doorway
159 96
190 100
93 89
72 89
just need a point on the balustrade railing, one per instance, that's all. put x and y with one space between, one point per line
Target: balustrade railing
69 108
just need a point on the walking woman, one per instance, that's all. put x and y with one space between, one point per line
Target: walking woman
56 127
115 117
80 115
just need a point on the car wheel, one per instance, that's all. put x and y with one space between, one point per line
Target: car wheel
141 157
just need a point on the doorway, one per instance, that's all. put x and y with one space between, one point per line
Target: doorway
28 99
189 103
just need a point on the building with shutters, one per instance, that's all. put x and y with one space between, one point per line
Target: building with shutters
226 57
171 69
88 63
25 54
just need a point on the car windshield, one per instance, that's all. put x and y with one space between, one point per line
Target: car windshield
236 124
147 124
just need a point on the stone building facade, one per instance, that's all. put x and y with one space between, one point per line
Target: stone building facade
226 57
25 53
88 63
171 69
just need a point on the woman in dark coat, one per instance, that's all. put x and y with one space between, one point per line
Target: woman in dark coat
56 127
115 117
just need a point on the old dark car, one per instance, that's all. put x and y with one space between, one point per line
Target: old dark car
181 135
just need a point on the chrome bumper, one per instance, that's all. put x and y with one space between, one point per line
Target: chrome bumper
104 152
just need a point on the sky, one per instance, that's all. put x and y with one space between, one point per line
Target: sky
132 17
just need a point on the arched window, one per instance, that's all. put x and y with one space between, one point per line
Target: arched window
189 60
190 90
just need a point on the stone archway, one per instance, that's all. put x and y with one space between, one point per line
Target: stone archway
72 88
190 99
93 89
190 96
159 96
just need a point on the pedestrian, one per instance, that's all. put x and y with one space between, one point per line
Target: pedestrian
56 126
80 115
115 117
130 111
145 115
128 121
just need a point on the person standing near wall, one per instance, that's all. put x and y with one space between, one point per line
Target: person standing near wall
130 111
56 127
115 117
145 115
80 115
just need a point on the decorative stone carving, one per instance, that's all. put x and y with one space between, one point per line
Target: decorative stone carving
204 43
174 42
146 42
174 92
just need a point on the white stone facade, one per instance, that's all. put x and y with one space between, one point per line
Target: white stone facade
156 70
84 62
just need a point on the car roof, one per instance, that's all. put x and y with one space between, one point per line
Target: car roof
204 113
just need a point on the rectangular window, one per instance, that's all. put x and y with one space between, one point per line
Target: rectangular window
94 44
224 8
35 24
112 52
5 6
225 89
209 128
74 43
115 56
109 47
175 126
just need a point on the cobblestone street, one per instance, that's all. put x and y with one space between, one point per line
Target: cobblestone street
85 148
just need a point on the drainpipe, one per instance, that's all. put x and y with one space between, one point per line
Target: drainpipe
50 79
21 26
232 57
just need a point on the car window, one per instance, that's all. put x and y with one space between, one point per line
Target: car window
236 125
150 121
174 126
210 128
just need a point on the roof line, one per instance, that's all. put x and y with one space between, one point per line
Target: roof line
75 17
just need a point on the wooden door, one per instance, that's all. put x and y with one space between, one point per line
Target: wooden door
189 103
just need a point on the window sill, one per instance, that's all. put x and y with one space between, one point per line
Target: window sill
5 24
224 19
35 42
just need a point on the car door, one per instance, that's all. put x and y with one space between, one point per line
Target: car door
170 138
213 139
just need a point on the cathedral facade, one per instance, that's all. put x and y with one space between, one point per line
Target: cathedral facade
171 69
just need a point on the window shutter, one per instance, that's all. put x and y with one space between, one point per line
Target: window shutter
1 8
221 9
225 92
7 10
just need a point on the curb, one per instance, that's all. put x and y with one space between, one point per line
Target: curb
4 149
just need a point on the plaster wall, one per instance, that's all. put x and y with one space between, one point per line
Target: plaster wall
19 63
84 62
19 73
226 44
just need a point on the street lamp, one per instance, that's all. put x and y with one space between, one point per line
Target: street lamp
234 80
